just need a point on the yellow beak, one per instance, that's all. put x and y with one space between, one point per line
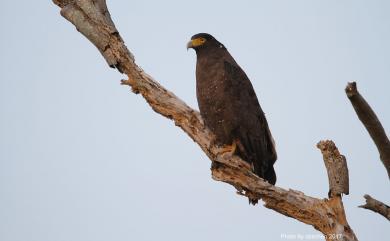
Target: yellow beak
196 42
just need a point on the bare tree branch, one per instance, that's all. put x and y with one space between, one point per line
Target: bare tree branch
371 122
325 215
374 127
376 206
91 18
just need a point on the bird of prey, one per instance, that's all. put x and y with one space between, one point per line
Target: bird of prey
229 106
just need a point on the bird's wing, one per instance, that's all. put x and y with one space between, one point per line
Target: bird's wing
252 129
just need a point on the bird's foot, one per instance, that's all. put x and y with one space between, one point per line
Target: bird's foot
228 149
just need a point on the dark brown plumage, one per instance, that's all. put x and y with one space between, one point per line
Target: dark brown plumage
229 106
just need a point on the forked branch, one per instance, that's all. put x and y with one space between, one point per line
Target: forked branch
92 19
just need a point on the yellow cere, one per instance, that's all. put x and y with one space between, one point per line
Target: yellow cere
198 42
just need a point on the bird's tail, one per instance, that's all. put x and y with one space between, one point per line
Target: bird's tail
270 175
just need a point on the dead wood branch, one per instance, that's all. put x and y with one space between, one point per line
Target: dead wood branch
369 119
337 169
374 127
91 18
325 215
376 206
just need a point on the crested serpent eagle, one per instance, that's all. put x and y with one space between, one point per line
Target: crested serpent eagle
229 106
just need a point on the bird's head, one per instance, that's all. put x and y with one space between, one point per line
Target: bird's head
203 41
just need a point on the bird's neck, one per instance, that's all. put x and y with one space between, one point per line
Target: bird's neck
206 53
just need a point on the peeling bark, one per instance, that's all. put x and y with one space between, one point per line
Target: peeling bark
92 19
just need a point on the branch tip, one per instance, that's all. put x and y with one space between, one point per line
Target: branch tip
376 206
351 89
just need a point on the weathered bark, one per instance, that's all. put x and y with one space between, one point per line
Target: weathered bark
376 206
325 215
91 18
369 119
337 169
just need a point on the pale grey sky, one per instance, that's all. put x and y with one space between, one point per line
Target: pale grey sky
83 159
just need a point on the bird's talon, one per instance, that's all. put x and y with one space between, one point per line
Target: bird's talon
228 149
125 82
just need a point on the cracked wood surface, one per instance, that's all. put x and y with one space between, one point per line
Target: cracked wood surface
336 166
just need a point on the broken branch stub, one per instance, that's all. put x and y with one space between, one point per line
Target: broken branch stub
337 168
376 206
